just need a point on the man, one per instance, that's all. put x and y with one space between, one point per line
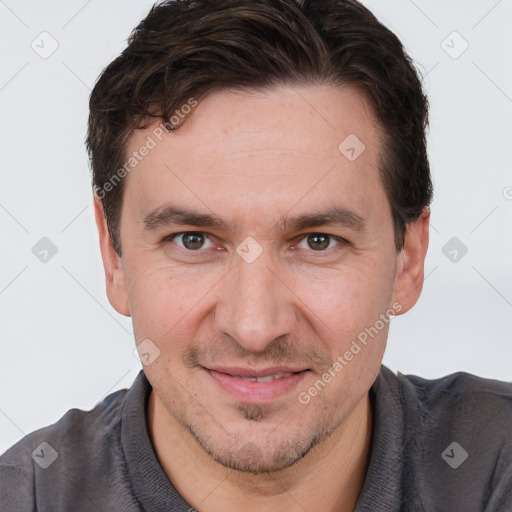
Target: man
262 196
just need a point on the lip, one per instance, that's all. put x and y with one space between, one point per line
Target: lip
253 372
230 380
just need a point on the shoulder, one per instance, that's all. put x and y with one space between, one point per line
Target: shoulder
459 404
458 395
79 441
98 423
456 436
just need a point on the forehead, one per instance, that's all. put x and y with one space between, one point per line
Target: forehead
273 149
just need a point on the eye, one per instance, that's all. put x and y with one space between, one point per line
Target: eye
319 241
190 240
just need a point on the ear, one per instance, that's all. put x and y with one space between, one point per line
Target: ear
112 263
410 263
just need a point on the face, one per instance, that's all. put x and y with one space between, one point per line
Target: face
255 254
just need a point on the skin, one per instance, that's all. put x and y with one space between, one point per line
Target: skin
252 158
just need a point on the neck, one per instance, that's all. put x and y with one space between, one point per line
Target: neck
328 478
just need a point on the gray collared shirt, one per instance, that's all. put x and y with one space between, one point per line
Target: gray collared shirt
437 445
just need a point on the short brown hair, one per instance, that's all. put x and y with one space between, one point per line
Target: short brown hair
186 48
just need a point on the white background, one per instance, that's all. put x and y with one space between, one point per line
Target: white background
63 346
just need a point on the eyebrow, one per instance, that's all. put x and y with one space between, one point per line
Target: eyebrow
333 216
171 215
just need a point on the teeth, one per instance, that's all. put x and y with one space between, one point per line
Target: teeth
267 378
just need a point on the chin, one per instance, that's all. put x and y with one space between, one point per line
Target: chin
267 453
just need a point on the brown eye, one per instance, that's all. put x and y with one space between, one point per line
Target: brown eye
318 241
191 240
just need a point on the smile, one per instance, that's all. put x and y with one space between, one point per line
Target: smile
267 378
256 387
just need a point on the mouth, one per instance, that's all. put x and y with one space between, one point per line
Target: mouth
247 385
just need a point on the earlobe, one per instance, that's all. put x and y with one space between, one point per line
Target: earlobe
410 263
112 264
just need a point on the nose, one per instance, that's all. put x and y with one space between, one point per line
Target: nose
255 306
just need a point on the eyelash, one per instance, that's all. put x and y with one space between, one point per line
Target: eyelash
173 236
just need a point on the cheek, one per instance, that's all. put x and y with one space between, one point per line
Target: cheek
170 303
163 298
344 301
